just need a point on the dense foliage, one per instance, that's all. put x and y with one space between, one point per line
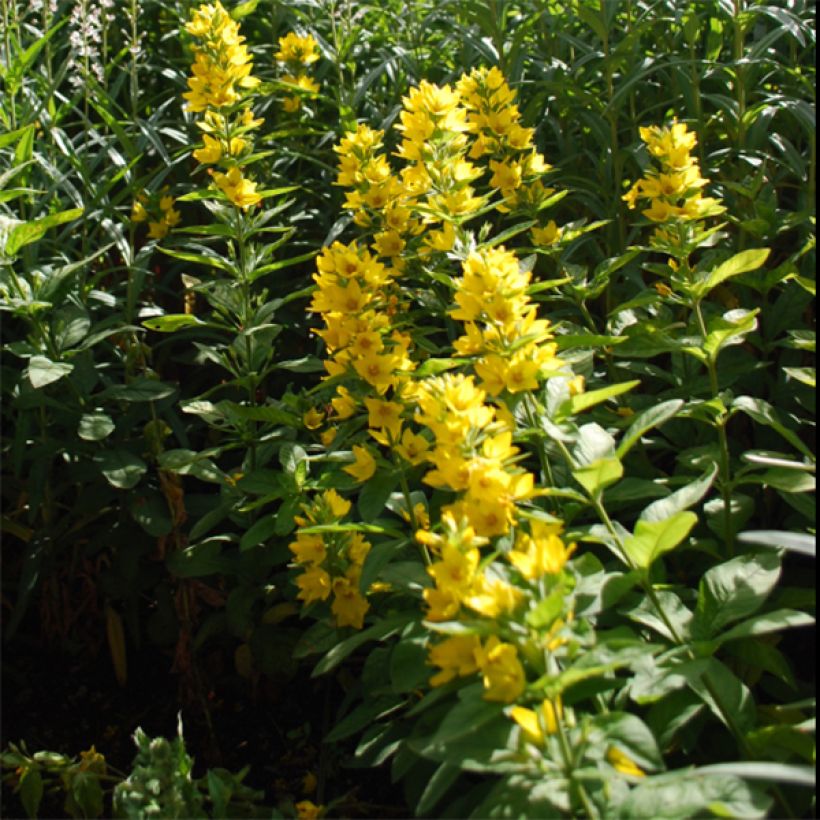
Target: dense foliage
459 351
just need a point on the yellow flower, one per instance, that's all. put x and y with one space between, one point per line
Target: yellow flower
384 415
349 606
344 404
541 552
92 761
502 672
314 585
313 419
456 657
623 763
377 370
537 725
364 465
238 189
337 506
547 235
492 597
305 810
138 212
158 230
296 49
455 572
308 549
412 448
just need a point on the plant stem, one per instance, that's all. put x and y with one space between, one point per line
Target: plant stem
724 466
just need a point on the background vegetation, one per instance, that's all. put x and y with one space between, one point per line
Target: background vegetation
168 433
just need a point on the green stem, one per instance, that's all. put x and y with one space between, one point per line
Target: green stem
740 74
245 319
7 61
612 117
724 466
569 766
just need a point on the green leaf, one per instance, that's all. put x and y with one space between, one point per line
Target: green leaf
432 367
122 468
733 590
141 389
379 631
630 734
521 796
173 322
806 375
150 510
729 329
363 715
211 260
729 699
42 371
199 560
767 623
785 480
31 790
472 733
29 232
375 493
599 475
244 9
408 664
584 401
793 541
740 263
763 413
687 793
768 771
681 499
95 426
291 456
259 532
437 785
594 453
646 420
654 538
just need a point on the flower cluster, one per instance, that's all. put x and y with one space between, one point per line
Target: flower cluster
297 54
501 597
473 454
353 297
218 90
675 189
87 22
495 123
158 211
451 137
331 562
501 324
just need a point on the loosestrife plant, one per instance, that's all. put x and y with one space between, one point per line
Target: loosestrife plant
509 605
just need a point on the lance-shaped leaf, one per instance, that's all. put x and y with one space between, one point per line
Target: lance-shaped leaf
740 263
654 538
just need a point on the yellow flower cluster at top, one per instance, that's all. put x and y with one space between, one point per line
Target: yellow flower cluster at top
675 189
219 85
331 562
158 211
451 137
296 53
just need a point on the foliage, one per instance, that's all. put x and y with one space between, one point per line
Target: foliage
468 347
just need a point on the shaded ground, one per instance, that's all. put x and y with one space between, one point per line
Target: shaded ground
54 702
